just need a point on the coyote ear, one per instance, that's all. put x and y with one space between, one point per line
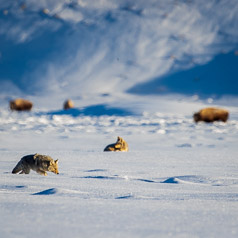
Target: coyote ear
56 161
118 138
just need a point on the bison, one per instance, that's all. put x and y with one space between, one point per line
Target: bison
20 104
120 145
68 104
211 114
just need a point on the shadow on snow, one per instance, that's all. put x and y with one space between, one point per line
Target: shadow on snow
93 110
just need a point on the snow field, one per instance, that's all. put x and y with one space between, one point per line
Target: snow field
181 182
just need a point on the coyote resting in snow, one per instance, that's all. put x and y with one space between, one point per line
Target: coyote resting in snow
39 163
120 145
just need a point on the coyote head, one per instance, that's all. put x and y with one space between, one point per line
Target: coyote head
53 167
121 144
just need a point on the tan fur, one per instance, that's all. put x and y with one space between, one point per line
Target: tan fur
120 145
20 104
211 114
38 163
68 104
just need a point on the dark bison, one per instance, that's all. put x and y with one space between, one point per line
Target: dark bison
20 104
211 114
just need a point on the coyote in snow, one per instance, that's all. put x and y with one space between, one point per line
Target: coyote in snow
38 163
120 145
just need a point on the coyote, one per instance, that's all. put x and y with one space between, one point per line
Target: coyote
211 114
39 163
120 145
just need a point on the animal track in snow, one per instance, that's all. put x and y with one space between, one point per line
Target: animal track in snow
201 180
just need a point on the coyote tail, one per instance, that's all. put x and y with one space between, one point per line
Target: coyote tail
17 168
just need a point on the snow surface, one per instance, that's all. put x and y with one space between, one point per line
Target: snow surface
179 179
118 60
81 48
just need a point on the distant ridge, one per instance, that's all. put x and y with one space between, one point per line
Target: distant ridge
216 78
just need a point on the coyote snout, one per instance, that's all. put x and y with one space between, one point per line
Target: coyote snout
38 163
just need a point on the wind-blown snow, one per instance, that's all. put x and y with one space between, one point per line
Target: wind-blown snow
93 47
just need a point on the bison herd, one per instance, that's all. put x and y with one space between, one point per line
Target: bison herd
209 114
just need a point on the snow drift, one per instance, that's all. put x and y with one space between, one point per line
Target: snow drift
78 48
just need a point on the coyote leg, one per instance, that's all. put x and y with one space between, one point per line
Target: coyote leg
41 172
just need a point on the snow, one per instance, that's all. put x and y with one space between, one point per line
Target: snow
99 47
134 69
179 179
